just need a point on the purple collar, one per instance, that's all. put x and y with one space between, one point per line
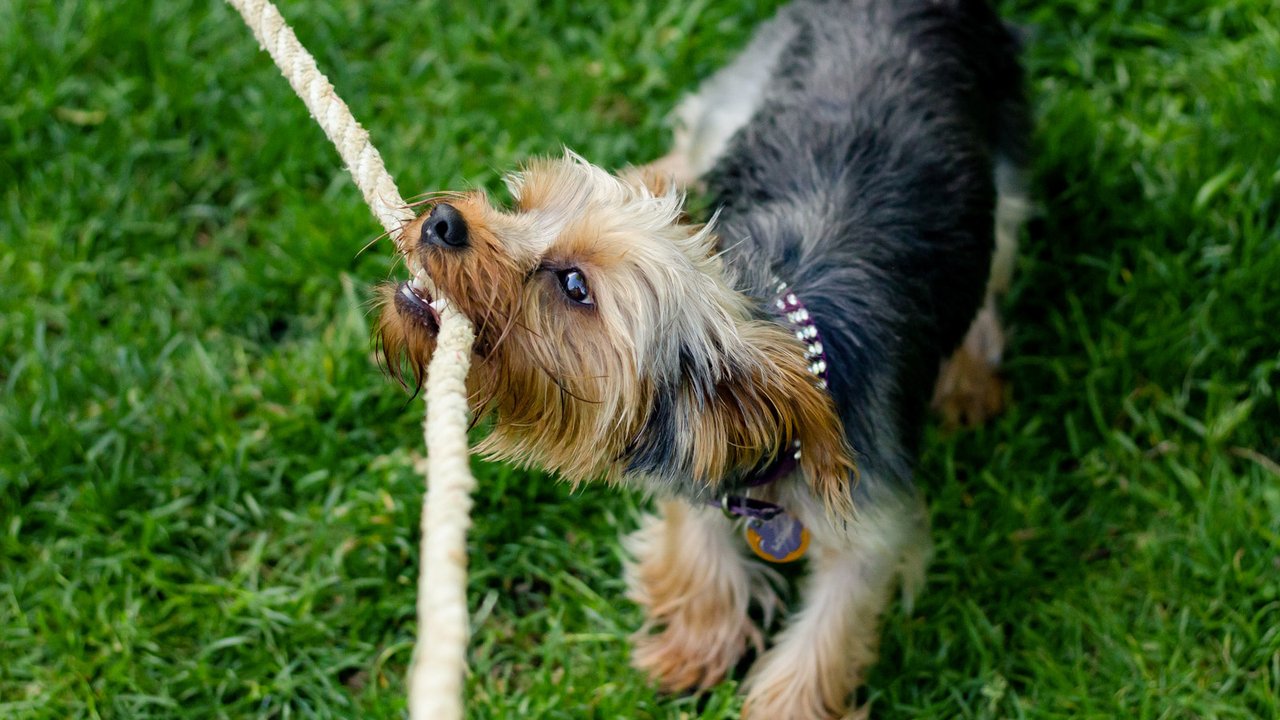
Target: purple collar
797 316
743 506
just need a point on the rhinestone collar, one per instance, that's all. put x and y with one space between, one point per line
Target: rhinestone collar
797 316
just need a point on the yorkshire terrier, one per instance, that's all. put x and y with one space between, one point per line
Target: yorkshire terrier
766 373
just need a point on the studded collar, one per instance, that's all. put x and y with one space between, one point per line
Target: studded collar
791 308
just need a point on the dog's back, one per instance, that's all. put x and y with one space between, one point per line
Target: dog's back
865 177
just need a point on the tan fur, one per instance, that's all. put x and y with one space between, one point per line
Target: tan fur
657 176
690 576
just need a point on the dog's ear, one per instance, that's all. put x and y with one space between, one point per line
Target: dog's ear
778 396
713 427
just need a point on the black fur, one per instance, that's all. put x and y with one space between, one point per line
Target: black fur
865 179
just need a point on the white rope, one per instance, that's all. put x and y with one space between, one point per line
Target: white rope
439 656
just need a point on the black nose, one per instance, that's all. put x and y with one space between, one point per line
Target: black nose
445 228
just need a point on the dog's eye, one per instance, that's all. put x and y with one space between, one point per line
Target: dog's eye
574 285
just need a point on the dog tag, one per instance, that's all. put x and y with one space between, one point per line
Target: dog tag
780 539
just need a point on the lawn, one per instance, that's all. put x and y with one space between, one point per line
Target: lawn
208 506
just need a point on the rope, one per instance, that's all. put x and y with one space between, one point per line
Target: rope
439 656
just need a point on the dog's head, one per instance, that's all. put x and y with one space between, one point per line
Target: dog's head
608 342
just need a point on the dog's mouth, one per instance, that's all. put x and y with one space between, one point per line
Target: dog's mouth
413 301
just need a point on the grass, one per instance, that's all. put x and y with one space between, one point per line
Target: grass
207 501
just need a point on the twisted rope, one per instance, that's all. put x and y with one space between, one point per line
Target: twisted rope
439 655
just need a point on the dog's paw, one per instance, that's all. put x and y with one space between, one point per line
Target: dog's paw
695 647
775 692
970 390
671 171
696 589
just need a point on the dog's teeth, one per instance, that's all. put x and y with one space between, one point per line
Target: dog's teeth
438 304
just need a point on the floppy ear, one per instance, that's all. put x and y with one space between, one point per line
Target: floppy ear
711 431
777 397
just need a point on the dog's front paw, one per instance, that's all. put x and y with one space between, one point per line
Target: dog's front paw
696 589
696 646
779 689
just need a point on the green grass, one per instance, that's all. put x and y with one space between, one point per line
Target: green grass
207 501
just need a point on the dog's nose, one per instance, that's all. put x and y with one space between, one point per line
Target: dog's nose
445 228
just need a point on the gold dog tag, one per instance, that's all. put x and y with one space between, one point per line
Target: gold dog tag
780 539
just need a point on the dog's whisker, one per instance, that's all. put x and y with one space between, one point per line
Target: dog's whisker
432 197
512 321
373 242
559 383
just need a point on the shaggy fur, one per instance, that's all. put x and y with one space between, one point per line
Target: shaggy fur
854 150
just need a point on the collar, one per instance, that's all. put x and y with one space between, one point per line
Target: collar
743 506
792 308
789 307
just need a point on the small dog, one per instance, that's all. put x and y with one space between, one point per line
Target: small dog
770 369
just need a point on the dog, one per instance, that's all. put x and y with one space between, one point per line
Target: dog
765 375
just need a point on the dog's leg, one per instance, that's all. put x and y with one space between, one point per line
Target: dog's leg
969 389
696 587
826 649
